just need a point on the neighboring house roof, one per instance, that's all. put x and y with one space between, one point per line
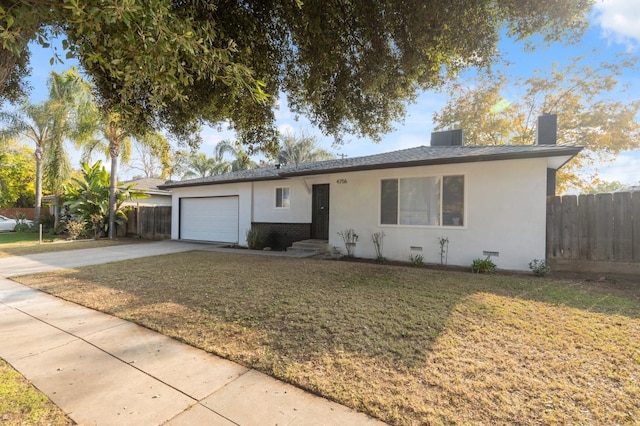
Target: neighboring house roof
411 157
149 185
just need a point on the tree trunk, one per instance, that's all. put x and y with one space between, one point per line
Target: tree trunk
114 151
38 203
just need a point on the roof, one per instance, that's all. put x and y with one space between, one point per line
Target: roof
149 185
411 157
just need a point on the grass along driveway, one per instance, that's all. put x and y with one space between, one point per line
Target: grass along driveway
406 345
23 244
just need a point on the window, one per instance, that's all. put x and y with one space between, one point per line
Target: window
424 201
282 198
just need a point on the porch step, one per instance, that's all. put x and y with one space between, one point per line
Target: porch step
310 246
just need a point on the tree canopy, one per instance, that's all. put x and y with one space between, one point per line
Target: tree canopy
585 97
349 66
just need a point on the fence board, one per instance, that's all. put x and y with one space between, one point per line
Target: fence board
569 238
586 210
622 227
635 217
603 242
554 226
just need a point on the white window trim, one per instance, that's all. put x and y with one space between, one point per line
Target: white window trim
275 193
441 176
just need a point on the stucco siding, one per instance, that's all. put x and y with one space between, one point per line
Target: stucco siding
265 210
504 213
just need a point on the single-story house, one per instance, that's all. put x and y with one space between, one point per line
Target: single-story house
155 196
487 200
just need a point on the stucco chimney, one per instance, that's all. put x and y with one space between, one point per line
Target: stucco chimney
547 132
447 138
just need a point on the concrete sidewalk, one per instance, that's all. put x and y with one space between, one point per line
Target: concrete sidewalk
102 370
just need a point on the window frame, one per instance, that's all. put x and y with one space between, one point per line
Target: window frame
288 198
441 177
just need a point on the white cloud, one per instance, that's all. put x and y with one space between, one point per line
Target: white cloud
619 20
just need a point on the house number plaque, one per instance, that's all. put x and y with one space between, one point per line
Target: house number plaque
341 181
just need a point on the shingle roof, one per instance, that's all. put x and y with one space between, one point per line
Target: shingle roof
150 185
411 157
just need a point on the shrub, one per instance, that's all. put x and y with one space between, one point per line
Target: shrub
540 268
417 260
21 223
350 238
378 238
253 239
483 266
75 228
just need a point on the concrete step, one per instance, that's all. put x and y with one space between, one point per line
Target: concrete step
310 246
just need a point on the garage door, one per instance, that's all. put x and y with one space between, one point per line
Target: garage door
209 219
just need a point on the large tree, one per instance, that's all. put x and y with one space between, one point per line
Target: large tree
494 109
16 175
48 124
350 66
296 149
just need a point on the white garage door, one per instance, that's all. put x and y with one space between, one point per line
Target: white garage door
209 219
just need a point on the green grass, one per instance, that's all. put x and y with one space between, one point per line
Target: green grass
22 244
23 237
23 404
406 345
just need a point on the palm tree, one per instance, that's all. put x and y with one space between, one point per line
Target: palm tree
241 160
115 143
301 149
48 124
201 166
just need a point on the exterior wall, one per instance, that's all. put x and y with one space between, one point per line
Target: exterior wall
242 190
151 200
505 212
264 196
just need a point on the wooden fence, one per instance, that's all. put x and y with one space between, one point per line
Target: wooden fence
13 211
594 230
153 223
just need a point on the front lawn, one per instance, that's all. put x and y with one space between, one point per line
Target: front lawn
406 345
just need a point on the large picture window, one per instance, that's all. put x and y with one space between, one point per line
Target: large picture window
423 201
282 198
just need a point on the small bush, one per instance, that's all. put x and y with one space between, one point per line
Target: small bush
540 268
75 228
483 266
417 260
253 239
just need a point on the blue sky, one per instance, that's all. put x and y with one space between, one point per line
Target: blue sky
615 27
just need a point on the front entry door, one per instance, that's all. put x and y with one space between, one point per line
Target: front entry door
320 212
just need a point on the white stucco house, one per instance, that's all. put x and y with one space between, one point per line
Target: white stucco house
484 199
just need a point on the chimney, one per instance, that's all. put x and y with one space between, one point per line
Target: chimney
547 132
447 138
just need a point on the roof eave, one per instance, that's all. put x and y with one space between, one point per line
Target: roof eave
168 187
567 151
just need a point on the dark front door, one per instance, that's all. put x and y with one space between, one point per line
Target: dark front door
320 212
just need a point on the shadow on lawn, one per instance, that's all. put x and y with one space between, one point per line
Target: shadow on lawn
303 309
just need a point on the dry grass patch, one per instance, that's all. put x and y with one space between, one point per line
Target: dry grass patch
21 403
406 345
